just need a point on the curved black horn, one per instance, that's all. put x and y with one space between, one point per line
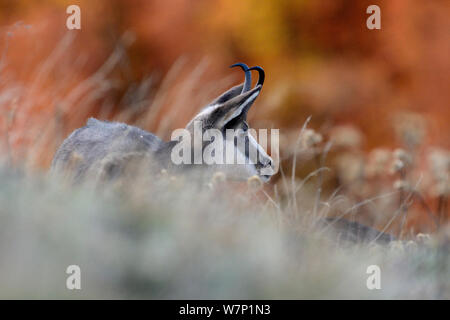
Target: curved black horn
262 74
248 76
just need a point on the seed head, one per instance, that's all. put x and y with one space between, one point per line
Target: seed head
346 137
218 178
397 166
350 167
410 128
310 138
254 183
402 185
378 162
403 155
423 238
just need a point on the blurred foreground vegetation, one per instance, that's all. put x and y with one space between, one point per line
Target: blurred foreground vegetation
184 239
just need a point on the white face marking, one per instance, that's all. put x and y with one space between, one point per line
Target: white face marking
254 144
261 156
207 110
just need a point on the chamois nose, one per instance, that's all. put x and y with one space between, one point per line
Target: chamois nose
264 164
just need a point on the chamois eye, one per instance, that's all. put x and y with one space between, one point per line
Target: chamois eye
245 126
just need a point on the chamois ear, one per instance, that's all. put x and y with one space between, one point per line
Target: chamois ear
227 95
233 104
235 108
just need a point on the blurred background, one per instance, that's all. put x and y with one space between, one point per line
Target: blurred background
156 63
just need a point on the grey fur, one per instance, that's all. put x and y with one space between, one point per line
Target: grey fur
100 145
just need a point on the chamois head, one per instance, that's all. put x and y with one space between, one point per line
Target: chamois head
227 115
